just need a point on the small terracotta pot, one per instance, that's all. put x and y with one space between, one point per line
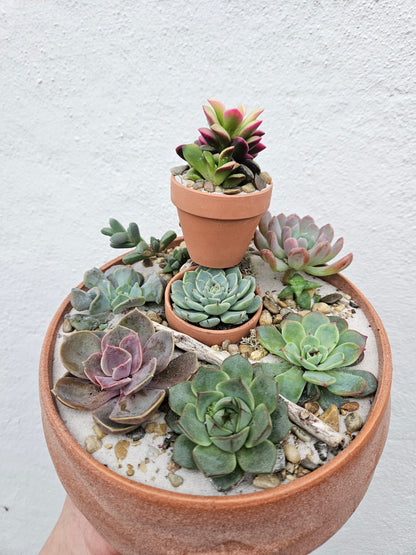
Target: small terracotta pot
291 519
217 227
208 336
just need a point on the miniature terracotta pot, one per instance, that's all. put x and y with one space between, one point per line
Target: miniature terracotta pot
291 519
208 336
217 227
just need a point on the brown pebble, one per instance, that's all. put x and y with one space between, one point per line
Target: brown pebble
129 472
266 481
232 191
121 449
354 422
245 350
277 318
266 177
321 307
270 305
154 316
92 444
225 344
108 446
215 348
248 188
233 349
67 326
98 432
175 480
350 406
312 407
257 355
282 304
291 453
265 318
143 467
330 417
155 428
173 466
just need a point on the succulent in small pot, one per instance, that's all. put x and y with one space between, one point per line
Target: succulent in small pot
294 243
319 352
208 297
124 375
228 421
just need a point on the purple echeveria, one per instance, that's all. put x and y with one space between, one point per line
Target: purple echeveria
123 376
291 242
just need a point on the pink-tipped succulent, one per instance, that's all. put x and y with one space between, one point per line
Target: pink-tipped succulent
124 375
294 243
230 127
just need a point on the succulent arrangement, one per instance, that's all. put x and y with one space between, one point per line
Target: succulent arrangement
319 351
122 238
122 376
294 243
229 422
115 290
208 297
224 152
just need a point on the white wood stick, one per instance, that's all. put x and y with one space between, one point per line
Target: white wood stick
299 415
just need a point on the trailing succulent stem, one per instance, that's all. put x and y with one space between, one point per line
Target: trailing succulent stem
318 352
122 376
122 238
207 297
230 419
119 288
290 242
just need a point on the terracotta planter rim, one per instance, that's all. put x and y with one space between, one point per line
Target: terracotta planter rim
262 497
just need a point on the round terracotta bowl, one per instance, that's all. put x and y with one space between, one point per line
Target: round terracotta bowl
217 227
208 336
291 519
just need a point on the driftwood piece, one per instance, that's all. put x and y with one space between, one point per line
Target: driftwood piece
298 415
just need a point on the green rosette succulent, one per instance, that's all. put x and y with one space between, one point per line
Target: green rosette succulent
208 296
294 243
123 375
318 351
119 288
228 421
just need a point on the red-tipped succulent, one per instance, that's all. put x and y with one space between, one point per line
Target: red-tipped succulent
124 375
294 243
230 127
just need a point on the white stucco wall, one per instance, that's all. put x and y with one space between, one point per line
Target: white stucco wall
94 97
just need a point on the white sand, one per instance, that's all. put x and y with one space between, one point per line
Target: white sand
147 458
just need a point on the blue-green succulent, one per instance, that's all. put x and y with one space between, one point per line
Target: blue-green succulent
230 419
208 296
115 290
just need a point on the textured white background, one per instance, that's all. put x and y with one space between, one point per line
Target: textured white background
94 97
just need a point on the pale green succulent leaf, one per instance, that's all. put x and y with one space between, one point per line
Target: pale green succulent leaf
237 366
231 317
224 483
260 426
328 335
259 459
204 400
318 378
233 442
236 387
346 384
265 390
292 332
180 395
207 379
192 427
214 462
183 452
281 425
312 321
271 339
291 384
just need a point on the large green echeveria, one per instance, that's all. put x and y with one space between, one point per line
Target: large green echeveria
318 349
227 418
